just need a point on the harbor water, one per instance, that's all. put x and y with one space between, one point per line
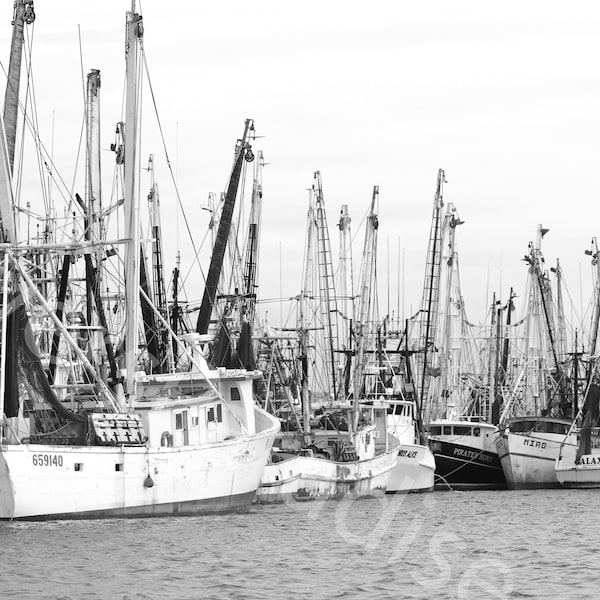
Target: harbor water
442 545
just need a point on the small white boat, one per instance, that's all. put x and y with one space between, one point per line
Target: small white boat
415 463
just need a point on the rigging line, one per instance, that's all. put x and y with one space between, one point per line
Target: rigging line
162 137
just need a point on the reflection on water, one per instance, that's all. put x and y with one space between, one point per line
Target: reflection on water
445 545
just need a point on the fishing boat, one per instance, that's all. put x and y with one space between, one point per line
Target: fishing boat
578 462
448 367
537 414
339 433
146 444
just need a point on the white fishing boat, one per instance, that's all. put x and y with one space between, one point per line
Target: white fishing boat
190 442
578 462
338 432
528 448
415 463
538 411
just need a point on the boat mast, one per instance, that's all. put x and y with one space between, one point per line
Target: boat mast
23 14
453 323
158 280
242 151
132 197
250 275
596 311
368 282
431 294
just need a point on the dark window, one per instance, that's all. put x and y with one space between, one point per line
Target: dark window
476 431
119 467
435 430
211 414
447 430
462 430
78 467
235 394
219 413
179 421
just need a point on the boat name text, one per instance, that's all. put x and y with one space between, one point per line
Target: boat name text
533 443
472 455
408 453
588 460
47 460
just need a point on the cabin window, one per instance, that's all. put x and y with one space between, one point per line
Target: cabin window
476 431
78 467
195 421
215 414
179 421
119 467
462 430
435 430
235 394
447 430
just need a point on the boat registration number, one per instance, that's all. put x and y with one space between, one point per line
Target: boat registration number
47 460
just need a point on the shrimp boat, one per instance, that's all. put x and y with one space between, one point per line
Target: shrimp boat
536 421
578 462
338 435
141 444
447 367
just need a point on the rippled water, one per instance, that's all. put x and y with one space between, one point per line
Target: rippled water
463 545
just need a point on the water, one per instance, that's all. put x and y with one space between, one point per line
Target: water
444 545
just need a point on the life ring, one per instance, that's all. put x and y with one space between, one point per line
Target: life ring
166 439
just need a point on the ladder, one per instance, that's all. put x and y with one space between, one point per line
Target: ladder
431 292
327 296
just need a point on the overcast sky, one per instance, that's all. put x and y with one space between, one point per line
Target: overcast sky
504 97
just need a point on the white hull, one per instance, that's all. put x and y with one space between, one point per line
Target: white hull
582 475
279 482
414 470
43 481
528 461
324 479
582 472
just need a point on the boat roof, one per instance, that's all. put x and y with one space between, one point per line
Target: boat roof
539 418
462 423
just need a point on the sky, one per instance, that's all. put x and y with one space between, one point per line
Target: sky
503 96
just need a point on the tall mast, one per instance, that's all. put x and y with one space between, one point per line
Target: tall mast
453 343
346 283
132 197
158 280
596 310
327 296
242 151
431 292
250 275
23 14
364 315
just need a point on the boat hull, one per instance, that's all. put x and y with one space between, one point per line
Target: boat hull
414 470
528 461
324 479
279 482
65 482
464 467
